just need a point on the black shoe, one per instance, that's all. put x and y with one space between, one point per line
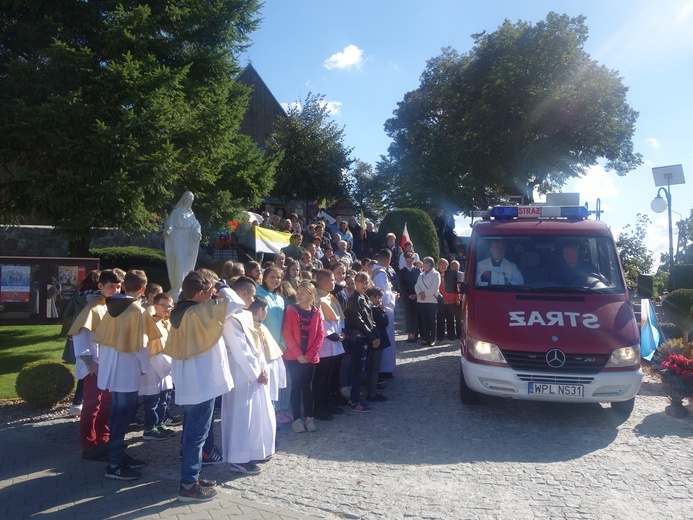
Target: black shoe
206 482
195 493
173 421
98 453
335 410
386 375
339 400
323 415
380 386
376 398
132 463
122 473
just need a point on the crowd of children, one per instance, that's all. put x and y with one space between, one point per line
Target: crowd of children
292 341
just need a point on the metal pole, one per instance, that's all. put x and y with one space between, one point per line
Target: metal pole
671 236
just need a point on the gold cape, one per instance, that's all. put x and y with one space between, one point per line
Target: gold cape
200 329
157 345
130 332
245 318
90 317
269 344
330 306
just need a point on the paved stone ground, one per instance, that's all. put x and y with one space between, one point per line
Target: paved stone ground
422 455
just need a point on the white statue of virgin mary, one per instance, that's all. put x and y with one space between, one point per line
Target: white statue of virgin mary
182 235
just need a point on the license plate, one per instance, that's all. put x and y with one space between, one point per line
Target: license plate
557 390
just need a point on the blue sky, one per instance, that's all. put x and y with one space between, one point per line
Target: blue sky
364 55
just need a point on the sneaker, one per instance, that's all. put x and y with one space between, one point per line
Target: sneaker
122 473
282 418
195 493
75 409
310 424
98 453
376 398
155 435
361 407
213 458
206 482
248 468
136 421
173 421
168 432
132 463
298 426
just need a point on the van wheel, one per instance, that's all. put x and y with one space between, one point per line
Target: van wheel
623 407
467 395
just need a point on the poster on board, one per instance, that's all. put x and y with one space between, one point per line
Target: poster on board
15 283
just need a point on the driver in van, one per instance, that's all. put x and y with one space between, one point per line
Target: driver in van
571 267
496 270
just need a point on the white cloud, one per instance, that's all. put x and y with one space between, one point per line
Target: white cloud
350 57
293 105
653 142
596 183
333 107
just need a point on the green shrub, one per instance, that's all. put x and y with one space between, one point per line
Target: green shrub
677 309
43 384
670 330
151 261
422 232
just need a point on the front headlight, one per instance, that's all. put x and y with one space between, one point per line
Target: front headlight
485 351
624 357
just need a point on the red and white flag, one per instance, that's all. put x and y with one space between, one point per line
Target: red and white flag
405 236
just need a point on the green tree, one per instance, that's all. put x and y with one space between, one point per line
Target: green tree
111 110
368 190
314 159
635 256
526 109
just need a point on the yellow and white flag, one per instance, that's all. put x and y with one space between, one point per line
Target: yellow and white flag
269 240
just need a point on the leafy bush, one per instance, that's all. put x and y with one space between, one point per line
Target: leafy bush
670 330
43 384
422 232
677 309
151 261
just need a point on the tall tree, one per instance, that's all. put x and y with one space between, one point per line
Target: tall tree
368 190
111 110
314 159
635 256
526 109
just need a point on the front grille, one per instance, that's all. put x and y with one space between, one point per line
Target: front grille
559 380
574 363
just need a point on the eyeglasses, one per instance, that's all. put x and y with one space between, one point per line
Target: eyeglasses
165 306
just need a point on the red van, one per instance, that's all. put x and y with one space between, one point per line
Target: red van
546 310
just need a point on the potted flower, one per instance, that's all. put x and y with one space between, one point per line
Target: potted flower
677 381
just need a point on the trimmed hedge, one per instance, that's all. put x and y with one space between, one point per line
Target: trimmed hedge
151 261
422 232
677 306
43 384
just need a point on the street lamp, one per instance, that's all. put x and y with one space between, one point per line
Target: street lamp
667 175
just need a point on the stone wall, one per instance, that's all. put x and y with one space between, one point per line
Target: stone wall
41 241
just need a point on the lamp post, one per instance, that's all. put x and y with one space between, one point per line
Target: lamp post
667 175
658 205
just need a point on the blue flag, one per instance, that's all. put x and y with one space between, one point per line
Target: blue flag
650 334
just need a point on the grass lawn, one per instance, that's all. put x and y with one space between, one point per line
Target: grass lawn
23 344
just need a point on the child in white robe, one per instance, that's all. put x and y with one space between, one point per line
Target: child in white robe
248 424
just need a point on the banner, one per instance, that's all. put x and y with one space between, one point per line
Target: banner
405 236
650 334
264 240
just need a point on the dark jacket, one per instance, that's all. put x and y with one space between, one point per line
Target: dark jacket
359 317
381 323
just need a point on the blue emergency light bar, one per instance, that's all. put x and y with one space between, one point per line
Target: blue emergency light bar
566 212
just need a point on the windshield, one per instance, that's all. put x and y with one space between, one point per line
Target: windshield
547 263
